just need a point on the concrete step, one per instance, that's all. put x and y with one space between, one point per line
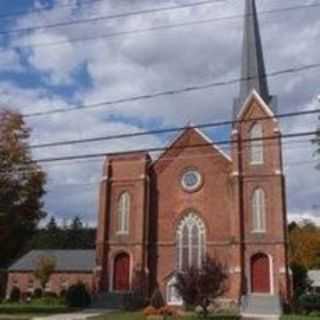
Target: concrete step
261 305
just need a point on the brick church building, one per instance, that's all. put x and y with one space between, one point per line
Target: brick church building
160 216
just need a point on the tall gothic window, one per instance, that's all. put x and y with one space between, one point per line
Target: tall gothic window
123 213
256 146
190 242
258 211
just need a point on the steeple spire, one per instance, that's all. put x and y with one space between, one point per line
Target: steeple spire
253 73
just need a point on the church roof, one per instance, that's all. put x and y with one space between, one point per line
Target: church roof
66 260
253 71
201 134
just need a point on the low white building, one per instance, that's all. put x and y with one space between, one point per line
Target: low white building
314 277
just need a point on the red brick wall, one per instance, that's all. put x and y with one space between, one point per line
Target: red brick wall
269 177
212 202
223 203
125 173
58 281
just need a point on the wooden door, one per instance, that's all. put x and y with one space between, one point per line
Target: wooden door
260 274
121 272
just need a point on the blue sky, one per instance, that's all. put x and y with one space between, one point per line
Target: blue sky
35 78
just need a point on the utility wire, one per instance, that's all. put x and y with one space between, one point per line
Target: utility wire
95 183
269 144
109 17
151 29
175 129
45 9
145 150
170 92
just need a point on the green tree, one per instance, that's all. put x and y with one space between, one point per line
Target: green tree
76 235
69 236
304 253
21 186
45 266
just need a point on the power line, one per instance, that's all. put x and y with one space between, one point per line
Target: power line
269 144
109 17
95 183
45 9
151 29
225 142
170 92
175 129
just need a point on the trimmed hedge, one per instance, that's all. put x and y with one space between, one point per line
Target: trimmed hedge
15 294
77 296
309 302
19 308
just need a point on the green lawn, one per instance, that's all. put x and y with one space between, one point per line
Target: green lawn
140 316
18 308
120 316
297 317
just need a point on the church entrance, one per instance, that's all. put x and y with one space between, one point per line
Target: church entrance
260 274
121 272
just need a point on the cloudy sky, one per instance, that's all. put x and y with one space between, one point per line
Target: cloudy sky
47 68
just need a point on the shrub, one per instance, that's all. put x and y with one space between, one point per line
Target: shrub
50 295
150 311
309 302
37 293
168 311
202 286
15 294
48 301
134 301
157 300
63 293
77 296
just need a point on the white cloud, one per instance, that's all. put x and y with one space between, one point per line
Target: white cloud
151 62
10 61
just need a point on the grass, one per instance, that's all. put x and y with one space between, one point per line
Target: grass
140 316
20 311
300 317
120 316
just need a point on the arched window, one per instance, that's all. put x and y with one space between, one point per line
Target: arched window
258 211
190 242
123 213
256 146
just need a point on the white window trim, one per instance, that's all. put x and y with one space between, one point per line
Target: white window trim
256 146
271 276
190 220
124 206
258 207
197 185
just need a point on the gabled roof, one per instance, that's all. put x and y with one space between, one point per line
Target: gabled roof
255 95
201 134
253 73
214 146
66 260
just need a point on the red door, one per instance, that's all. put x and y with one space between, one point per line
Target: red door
260 274
121 272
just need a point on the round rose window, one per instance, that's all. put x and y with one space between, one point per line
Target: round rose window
191 180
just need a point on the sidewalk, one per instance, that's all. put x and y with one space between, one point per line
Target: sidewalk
83 315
